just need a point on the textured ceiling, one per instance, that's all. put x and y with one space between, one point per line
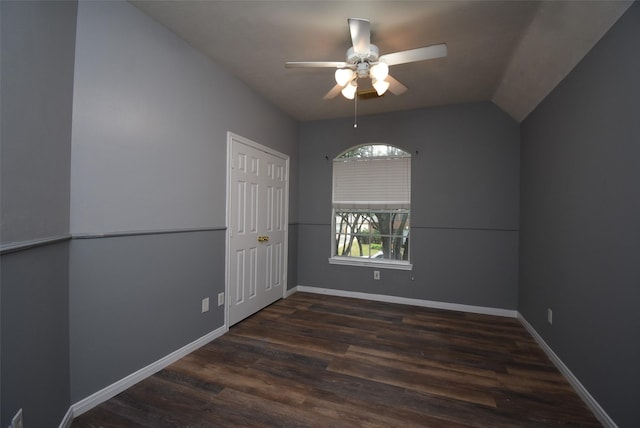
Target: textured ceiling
510 52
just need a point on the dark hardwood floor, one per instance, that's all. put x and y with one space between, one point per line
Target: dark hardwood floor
315 360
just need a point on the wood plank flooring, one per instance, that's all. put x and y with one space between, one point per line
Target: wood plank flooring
324 361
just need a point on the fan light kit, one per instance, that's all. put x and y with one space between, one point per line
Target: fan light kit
363 61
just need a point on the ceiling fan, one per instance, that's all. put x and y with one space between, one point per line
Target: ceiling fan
364 61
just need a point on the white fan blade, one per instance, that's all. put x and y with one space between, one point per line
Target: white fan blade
315 64
413 55
333 92
395 87
360 30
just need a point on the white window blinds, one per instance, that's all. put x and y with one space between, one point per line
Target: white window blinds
375 183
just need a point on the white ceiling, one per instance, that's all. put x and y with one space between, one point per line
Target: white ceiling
510 52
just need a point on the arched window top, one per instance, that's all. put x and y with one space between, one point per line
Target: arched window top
373 150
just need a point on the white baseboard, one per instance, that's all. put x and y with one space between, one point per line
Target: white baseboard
68 418
290 291
116 388
591 402
409 301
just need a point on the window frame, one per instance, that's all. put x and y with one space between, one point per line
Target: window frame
367 261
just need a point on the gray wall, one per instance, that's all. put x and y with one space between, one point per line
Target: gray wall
35 335
580 228
464 204
149 150
136 299
38 42
150 122
37 85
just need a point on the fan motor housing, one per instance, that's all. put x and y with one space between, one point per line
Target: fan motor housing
355 58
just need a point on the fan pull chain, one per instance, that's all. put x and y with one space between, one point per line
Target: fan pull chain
355 113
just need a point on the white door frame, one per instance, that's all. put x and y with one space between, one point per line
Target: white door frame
231 139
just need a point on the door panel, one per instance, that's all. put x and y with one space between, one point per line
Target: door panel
257 233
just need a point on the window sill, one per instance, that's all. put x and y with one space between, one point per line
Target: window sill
372 263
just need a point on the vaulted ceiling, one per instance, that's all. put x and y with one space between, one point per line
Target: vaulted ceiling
510 52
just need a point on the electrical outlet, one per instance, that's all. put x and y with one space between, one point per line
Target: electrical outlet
549 316
220 299
205 305
376 274
16 422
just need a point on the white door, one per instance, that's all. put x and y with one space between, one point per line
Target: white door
257 232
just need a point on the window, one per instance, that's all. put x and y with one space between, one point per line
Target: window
372 206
